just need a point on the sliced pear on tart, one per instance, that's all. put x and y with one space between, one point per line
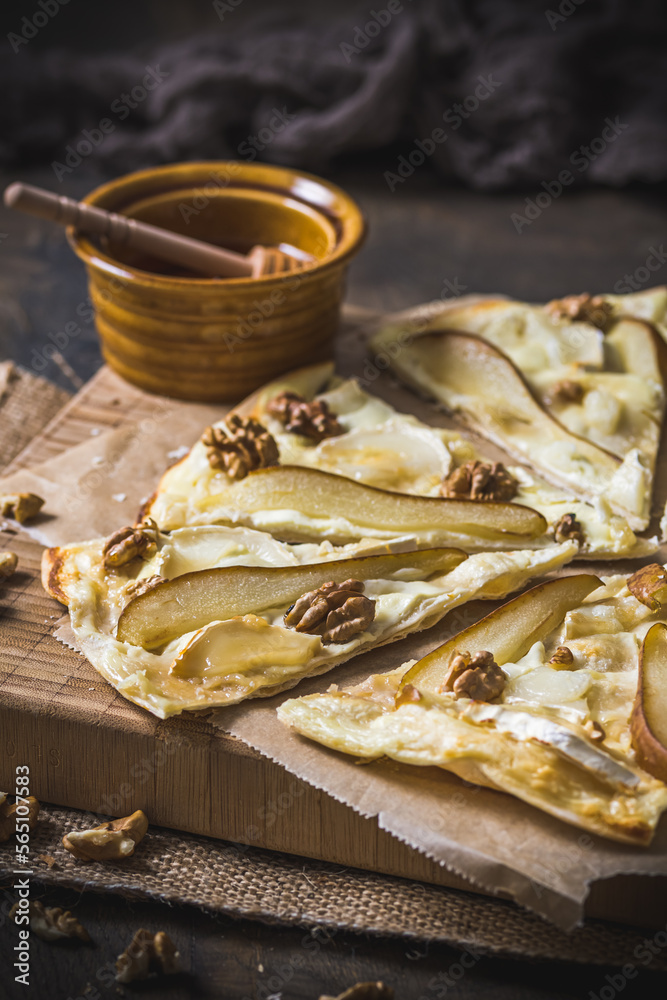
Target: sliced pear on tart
649 715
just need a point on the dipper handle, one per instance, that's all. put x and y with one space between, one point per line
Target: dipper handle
196 255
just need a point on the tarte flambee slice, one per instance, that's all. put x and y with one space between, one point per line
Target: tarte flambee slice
535 700
211 615
383 458
574 389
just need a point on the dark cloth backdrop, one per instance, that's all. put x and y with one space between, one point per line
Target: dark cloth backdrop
309 92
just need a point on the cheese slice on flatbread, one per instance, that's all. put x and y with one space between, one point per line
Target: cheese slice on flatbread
558 736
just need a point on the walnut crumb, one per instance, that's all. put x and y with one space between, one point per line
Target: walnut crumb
562 657
8 563
313 419
336 611
363 991
475 676
52 923
20 506
240 446
129 543
569 529
594 730
110 841
480 481
9 815
565 391
583 308
649 585
147 953
140 587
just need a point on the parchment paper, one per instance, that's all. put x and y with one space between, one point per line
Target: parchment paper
99 485
497 842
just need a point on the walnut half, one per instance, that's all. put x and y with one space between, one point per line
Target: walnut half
313 420
562 657
336 611
128 543
475 676
52 923
145 954
110 841
565 391
568 529
583 308
480 481
239 446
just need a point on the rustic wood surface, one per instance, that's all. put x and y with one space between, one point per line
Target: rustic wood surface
227 960
52 700
425 241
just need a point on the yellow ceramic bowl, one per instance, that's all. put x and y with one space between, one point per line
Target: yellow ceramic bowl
210 339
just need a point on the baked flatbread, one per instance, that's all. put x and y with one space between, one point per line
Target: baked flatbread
574 389
380 448
558 735
238 645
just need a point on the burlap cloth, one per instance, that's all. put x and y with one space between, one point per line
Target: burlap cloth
244 882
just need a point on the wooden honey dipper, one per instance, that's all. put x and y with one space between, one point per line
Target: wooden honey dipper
195 255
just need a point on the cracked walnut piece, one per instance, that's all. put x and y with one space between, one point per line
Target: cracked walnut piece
52 923
313 420
649 585
8 563
140 587
594 730
10 816
239 447
364 991
475 676
562 657
583 308
568 529
147 953
20 506
480 481
110 841
336 611
565 391
128 543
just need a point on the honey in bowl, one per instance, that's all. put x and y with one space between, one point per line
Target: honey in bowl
172 332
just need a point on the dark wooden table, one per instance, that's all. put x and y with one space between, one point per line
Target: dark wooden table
425 241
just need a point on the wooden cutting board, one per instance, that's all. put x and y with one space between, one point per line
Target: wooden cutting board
90 749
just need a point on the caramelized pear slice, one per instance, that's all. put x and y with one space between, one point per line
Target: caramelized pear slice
648 723
318 494
508 632
193 600
480 385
